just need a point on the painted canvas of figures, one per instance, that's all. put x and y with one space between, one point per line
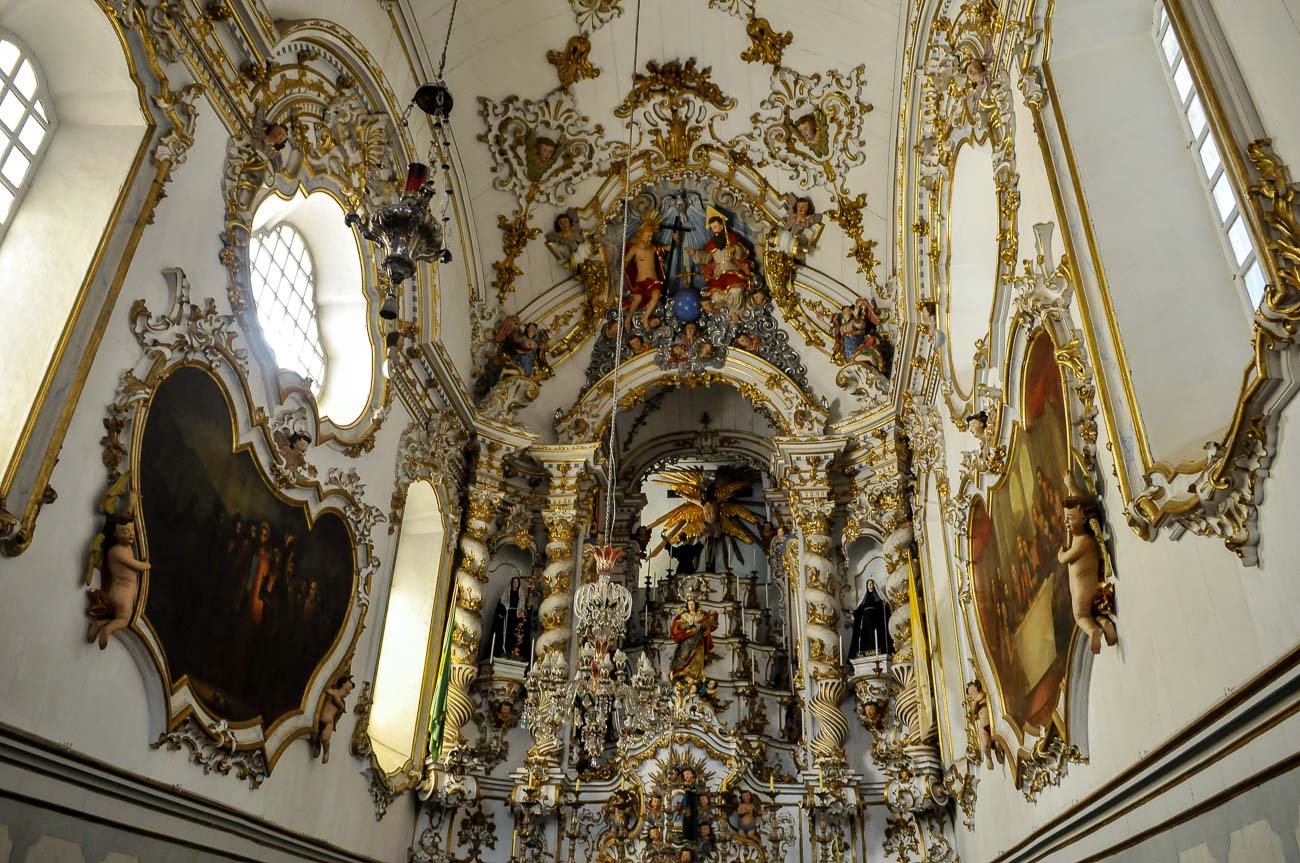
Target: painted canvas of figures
245 597
1022 594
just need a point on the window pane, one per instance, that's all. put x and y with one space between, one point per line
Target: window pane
1210 160
1183 80
8 56
6 201
1196 116
285 293
11 110
40 109
1224 199
32 134
1255 284
15 167
25 80
1170 45
1239 237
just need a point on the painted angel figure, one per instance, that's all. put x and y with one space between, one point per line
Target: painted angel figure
540 154
709 512
291 447
269 140
810 130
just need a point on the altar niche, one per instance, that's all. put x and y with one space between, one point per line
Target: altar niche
710 609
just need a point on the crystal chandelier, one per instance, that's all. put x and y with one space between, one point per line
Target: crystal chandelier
601 686
407 231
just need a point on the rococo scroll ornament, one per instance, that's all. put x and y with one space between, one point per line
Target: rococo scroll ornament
540 149
812 126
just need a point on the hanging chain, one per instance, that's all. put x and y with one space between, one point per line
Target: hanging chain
611 463
442 63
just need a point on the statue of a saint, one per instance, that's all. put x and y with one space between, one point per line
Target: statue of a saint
692 630
643 269
510 625
871 624
728 267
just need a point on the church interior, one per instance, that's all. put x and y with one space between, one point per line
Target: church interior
671 431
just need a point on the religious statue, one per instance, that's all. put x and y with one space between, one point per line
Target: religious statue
871 624
1082 553
565 240
978 715
113 603
856 333
692 630
621 812
334 707
686 556
709 512
521 352
643 270
706 847
747 814
978 425
511 625
728 268
684 805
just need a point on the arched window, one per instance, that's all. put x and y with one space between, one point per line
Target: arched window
284 291
1243 260
25 123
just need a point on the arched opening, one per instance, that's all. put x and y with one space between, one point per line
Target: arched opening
408 626
337 299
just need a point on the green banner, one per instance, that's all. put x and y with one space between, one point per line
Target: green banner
437 716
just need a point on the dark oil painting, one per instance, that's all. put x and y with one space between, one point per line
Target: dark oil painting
246 599
1022 594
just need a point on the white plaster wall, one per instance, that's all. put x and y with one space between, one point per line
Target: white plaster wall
1166 265
54 685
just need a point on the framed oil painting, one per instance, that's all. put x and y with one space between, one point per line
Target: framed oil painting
248 595
1022 595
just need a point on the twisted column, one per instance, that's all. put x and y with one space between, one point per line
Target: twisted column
804 470
566 465
496 443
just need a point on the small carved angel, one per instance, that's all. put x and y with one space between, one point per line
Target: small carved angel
977 424
292 449
565 240
540 154
113 603
334 707
1082 553
269 140
802 225
977 712
812 131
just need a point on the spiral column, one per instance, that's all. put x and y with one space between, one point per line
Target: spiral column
566 466
496 443
804 470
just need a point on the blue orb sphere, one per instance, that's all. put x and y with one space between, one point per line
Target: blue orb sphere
686 305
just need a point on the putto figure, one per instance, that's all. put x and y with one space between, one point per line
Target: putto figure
1082 553
113 603
335 706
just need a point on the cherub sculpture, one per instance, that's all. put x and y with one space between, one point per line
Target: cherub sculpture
565 240
334 707
291 448
802 225
1083 554
113 603
978 716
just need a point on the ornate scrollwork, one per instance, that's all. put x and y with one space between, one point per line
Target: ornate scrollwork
808 125
540 148
573 62
216 750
